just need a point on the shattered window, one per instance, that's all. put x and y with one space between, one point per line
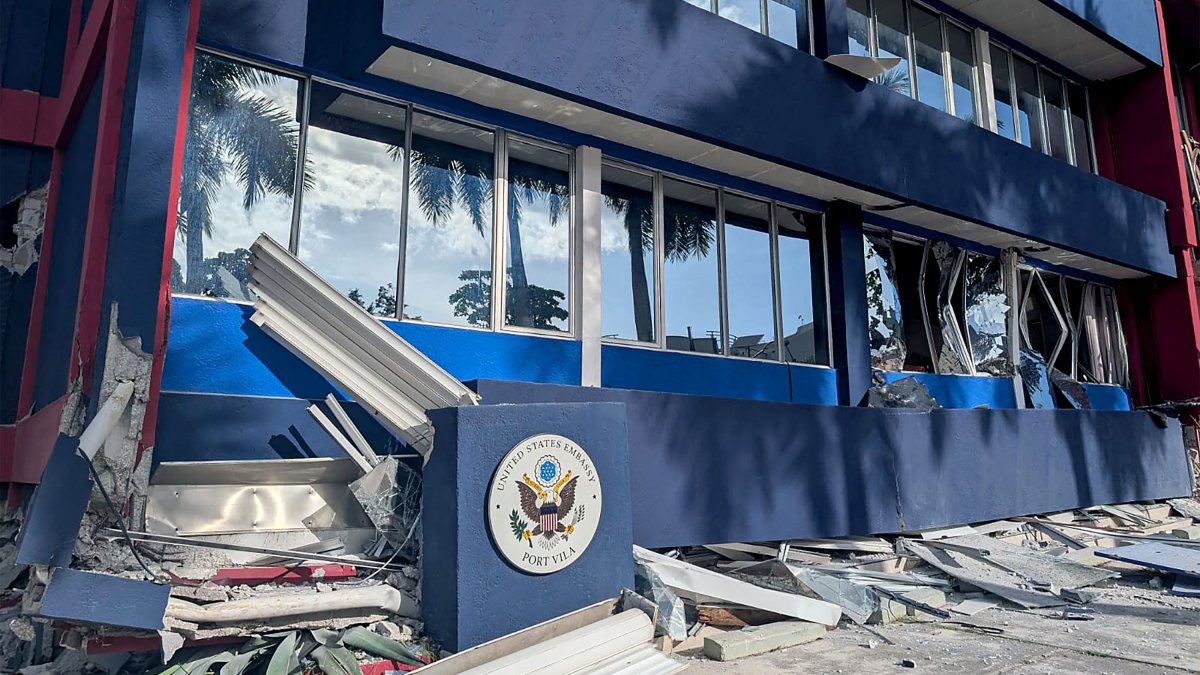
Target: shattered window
1072 330
884 314
239 174
350 212
934 308
448 246
986 315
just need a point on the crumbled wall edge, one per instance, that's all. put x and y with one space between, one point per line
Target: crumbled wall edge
31 218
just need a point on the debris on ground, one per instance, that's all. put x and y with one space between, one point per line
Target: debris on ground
967 577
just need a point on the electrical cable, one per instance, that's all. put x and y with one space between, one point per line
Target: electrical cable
155 577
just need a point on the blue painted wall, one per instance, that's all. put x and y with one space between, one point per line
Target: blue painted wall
680 68
964 391
1132 24
32 36
214 348
274 29
62 287
22 169
469 594
208 427
709 470
658 370
1108 397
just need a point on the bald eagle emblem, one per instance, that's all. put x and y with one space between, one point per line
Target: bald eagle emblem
547 500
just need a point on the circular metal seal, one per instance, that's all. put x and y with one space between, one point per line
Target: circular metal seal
543 504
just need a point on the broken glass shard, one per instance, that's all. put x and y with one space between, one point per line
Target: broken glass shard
1071 389
987 315
953 356
1036 379
883 305
907 392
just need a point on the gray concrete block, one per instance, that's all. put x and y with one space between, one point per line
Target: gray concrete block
761 639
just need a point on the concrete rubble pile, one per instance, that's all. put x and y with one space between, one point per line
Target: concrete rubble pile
282 565
733 600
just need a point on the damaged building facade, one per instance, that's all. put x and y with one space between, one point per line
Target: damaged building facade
850 266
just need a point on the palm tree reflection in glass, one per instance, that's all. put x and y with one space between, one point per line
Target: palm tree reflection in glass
233 130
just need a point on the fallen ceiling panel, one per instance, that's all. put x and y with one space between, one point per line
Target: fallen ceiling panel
388 376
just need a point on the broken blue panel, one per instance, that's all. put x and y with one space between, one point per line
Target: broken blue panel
1177 559
1035 377
1188 587
56 509
103 599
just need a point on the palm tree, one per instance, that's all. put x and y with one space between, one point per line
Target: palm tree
232 129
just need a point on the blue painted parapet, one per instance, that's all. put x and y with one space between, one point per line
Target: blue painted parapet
707 470
469 592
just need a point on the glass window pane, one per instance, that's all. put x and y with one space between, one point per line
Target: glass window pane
748 278
801 331
927 41
1029 104
962 71
892 35
693 314
1056 106
350 215
239 174
627 255
787 21
858 23
1081 136
539 237
704 4
1002 86
885 316
746 12
448 261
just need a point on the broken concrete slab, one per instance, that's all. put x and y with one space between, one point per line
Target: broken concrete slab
761 639
984 576
1039 568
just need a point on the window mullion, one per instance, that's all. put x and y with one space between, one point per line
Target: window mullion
776 284
301 152
500 230
404 171
659 263
947 65
722 279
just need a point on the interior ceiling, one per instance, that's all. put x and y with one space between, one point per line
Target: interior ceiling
421 71
1050 34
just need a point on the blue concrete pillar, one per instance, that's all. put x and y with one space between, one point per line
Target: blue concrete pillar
851 349
470 593
830 28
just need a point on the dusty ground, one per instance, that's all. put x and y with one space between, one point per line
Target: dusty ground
1137 629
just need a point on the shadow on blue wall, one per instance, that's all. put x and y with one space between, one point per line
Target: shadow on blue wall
710 470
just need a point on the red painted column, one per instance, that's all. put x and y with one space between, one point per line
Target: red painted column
1139 130
104 175
150 421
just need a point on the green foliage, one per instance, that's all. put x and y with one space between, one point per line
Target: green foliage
518 524
472 301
